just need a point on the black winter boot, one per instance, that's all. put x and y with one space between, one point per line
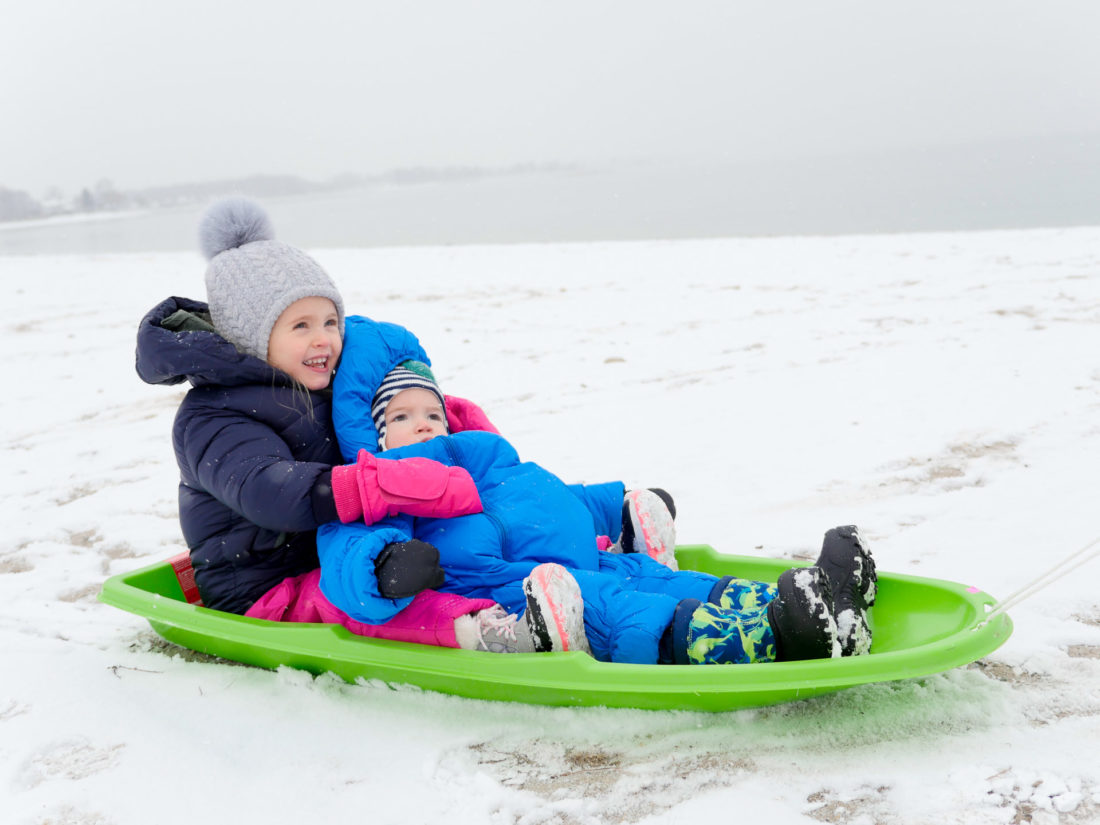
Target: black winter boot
847 563
801 616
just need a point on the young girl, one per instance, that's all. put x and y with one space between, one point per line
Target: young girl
256 451
635 609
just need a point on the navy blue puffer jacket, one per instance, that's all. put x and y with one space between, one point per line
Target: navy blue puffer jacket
254 452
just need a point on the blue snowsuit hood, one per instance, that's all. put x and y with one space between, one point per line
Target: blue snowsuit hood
371 349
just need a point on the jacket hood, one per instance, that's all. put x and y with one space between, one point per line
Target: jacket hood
371 349
189 350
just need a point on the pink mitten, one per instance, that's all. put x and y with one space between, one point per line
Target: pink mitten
375 487
466 415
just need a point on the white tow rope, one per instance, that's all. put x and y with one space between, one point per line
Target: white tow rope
1071 561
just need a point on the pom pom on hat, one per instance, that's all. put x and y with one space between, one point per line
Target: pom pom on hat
231 223
252 278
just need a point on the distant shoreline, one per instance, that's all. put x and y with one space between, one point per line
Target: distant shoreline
75 217
866 196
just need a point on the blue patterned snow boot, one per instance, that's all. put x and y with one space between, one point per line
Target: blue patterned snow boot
847 563
706 634
788 621
733 593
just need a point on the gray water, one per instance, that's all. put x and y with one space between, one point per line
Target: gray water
967 188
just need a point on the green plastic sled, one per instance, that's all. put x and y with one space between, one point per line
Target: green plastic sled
921 626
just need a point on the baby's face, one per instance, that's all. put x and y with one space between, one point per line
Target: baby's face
414 416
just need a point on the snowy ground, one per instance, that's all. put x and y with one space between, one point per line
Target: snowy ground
942 391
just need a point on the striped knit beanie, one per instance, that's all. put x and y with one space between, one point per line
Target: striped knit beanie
252 278
406 376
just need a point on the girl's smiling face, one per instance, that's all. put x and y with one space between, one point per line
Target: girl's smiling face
305 342
414 415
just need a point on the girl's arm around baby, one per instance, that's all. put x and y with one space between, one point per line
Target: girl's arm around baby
374 488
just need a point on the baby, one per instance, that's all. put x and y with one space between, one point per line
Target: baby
635 609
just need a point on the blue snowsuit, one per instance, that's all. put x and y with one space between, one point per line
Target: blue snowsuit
529 517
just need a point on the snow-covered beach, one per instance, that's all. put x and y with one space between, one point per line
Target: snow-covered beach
940 390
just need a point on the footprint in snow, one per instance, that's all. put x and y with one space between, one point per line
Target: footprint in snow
12 709
15 564
71 759
68 815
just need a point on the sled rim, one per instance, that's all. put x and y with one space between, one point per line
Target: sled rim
922 626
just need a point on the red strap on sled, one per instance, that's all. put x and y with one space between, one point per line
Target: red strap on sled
185 574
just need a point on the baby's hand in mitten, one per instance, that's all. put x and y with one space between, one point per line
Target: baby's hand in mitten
404 568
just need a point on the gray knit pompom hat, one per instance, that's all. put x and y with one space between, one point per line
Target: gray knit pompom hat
252 277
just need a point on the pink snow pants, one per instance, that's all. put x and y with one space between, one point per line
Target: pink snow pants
428 620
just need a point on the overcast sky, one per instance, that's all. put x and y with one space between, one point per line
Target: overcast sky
146 93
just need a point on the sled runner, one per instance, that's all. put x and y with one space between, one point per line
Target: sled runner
921 626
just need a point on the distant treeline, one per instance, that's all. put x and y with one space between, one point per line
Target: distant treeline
17 205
